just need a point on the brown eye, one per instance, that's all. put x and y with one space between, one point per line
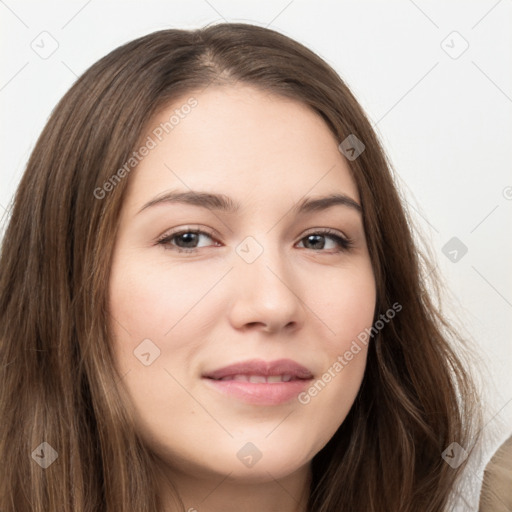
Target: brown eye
184 241
317 241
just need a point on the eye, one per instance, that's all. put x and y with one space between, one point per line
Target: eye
184 241
187 240
318 238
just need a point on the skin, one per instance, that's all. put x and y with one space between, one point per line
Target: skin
301 299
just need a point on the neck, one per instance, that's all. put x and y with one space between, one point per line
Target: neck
225 493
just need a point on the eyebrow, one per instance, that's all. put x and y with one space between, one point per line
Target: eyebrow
223 203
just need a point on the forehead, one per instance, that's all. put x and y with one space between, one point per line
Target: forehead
243 142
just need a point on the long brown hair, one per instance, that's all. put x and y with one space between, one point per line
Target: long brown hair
57 379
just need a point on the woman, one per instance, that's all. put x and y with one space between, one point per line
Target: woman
211 298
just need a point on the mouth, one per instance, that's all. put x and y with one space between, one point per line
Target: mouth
259 382
258 379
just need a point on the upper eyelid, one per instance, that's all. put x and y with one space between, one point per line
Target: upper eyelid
326 231
169 234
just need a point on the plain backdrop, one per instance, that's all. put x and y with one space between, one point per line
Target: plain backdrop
434 77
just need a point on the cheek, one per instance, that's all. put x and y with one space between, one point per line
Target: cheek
346 305
152 309
152 300
345 302
168 313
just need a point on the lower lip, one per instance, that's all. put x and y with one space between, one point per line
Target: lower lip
274 393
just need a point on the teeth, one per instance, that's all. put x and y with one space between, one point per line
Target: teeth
243 378
259 379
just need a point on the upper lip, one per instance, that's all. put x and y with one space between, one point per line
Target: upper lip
260 367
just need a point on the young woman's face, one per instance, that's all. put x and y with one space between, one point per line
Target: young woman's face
245 287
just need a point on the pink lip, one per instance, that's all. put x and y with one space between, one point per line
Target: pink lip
262 393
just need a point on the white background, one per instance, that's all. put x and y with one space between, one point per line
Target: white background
445 122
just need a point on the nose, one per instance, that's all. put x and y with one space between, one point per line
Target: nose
266 294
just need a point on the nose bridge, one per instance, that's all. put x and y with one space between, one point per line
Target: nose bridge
265 290
263 260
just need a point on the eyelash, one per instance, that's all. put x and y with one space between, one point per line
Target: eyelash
344 244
